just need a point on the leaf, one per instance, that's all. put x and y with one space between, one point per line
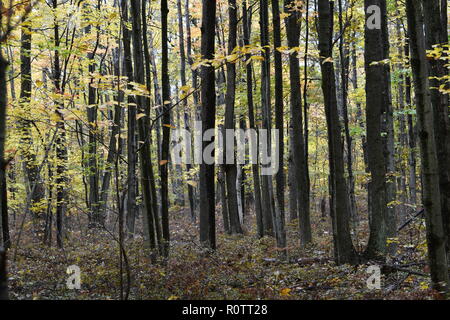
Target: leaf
192 183
329 59
285 292
169 126
163 162
140 115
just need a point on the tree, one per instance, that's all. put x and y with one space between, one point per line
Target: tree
251 119
266 181
230 164
187 126
428 152
298 140
208 98
3 276
377 96
59 83
166 128
436 34
343 246
144 150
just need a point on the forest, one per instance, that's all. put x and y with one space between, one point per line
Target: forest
224 150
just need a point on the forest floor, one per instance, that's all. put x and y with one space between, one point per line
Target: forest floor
243 267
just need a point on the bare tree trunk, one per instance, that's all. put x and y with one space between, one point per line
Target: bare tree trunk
230 167
208 98
131 126
375 101
166 128
61 147
436 34
3 275
298 140
186 116
5 238
339 202
425 120
144 148
344 63
266 185
251 117
33 178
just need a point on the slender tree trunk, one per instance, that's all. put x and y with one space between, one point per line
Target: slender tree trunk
208 98
411 138
251 118
339 202
131 125
230 167
61 147
279 210
344 63
436 34
165 82
92 156
115 142
186 117
33 177
144 148
376 91
3 275
298 140
196 96
5 238
266 185
430 169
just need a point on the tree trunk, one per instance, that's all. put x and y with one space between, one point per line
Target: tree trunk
144 148
339 202
61 147
3 275
266 185
376 91
436 34
230 167
298 141
5 238
186 116
208 114
251 118
31 169
430 169
166 128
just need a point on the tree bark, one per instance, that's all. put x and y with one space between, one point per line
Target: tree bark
298 140
208 114
230 167
429 155
344 250
165 83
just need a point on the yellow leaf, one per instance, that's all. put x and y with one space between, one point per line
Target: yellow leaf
329 59
285 292
140 115
192 183
169 126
